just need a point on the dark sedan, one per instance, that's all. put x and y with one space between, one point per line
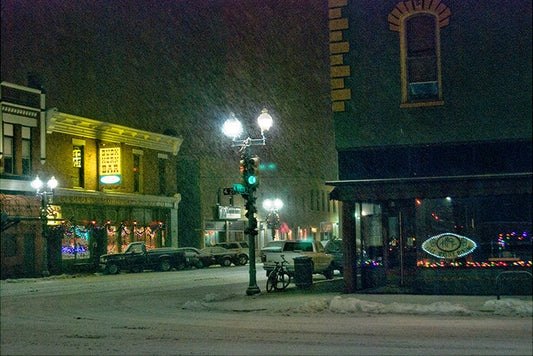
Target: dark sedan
197 258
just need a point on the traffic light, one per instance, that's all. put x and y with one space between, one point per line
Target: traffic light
243 170
253 171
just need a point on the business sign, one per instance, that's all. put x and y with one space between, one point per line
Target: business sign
449 246
229 212
110 169
53 214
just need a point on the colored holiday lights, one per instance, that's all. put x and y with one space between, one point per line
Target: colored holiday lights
490 264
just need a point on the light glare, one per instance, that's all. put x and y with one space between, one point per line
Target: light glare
264 120
232 127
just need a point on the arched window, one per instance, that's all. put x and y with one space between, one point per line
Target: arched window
419 24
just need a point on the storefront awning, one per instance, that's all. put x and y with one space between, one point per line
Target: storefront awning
431 187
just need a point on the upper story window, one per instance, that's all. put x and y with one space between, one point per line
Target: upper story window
421 64
162 162
419 24
17 153
78 163
26 150
9 151
137 171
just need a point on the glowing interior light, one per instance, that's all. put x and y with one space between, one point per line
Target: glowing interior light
110 179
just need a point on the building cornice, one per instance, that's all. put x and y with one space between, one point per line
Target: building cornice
91 197
59 122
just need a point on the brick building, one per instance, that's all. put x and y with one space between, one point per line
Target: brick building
116 184
432 109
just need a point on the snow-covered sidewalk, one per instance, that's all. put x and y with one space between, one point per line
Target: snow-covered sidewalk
294 302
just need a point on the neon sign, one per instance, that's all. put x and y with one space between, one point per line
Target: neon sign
449 246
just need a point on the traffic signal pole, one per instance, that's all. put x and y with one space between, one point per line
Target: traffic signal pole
233 128
251 230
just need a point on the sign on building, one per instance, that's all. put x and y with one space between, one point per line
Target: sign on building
449 246
110 168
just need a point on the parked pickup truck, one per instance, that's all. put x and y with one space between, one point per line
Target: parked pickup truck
291 249
137 258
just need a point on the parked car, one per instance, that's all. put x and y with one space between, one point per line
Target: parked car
240 247
334 248
197 258
291 249
137 258
223 256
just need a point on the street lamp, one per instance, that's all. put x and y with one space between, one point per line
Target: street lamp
233 129
37 184
273 206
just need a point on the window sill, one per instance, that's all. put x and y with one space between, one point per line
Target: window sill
421 104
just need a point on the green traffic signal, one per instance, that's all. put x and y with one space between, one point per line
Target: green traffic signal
252 180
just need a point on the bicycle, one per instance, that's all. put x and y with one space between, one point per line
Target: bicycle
279 278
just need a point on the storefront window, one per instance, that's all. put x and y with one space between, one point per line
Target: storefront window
499 226
75 243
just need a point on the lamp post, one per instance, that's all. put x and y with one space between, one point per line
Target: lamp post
37 184
233 128
273 206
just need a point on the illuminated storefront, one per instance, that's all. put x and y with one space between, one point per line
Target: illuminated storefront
433 244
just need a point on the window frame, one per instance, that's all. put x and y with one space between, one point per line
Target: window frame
137 171
9 145
26 145
78 180
406 101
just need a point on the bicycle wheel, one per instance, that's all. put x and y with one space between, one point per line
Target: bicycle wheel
271 281
282 280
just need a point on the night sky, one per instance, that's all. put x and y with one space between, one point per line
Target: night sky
181 67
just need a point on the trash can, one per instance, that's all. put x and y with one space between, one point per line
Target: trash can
303 272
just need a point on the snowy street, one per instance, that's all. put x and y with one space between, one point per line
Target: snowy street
206 312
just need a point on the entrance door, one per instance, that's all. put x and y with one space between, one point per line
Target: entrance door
400 254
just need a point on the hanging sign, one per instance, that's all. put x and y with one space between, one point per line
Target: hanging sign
449 246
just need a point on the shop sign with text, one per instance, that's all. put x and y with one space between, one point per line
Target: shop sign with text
110 169
449 246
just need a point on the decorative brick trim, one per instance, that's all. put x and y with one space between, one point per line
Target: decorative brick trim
408 8
337 49
337 3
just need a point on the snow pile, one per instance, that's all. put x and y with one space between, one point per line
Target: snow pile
509 307
442 308
353 305
346 305
314 306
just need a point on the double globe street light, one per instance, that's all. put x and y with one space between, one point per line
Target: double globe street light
233 129
45 195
